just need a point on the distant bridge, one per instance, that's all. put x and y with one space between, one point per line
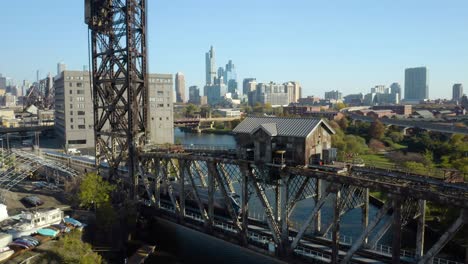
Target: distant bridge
450 129
194 122
6 130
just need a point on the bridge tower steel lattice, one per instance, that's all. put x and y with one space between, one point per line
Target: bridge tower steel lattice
120 90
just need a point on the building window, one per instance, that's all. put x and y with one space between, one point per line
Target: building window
160 93
168 105
80 91
160 105
79 141
71 120
167 118
160 119
81 106
79 84
71 106
71 99
71 112
71 126
81 112
81 127
71 91
70 84
80 99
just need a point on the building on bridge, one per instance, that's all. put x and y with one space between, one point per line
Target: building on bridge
161 108
292 141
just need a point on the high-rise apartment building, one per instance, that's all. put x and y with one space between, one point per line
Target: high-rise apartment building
161 108
230 79
457 92
416 84
194 95
294 90
74 120
249 85
272 93
215 92
333 95
210 66
180 87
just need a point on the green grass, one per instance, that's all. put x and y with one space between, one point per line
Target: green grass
377 160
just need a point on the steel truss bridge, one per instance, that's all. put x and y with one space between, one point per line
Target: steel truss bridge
276 190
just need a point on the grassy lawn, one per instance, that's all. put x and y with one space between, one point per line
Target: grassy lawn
377 160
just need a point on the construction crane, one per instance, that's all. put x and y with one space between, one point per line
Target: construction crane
119 72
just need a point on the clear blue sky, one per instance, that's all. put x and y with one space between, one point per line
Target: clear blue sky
345 45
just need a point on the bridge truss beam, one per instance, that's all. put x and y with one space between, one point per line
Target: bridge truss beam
276 191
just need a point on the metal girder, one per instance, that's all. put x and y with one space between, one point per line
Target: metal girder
298 194
365 233
212 169
420 229
226 177
200 173
169 187
197 196
449 234
272 223
120 88
309 219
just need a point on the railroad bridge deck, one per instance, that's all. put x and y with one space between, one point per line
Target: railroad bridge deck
205 202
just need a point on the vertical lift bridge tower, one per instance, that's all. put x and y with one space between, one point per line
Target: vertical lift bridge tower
120 90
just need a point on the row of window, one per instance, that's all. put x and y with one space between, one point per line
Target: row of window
79 127
79 106
80 113
77 91
74 78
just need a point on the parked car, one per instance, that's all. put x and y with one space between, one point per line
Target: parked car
32 200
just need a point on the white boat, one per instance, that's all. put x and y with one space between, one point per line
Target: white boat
28 223
5 253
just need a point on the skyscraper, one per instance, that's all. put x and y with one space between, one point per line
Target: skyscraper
457 92
230 78
61 67
416 84
249 85
396 89
3 83
180 87
194 95
210 66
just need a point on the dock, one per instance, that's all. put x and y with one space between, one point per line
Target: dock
141 254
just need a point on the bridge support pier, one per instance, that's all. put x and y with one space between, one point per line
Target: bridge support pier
336 228
365 212
318 195
420 229
396 226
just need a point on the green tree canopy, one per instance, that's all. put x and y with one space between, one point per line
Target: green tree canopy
94 191
377 130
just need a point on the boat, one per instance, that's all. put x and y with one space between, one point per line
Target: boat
73 222
28 243
31 239
18 244
63 228
28 223
5 253
47 232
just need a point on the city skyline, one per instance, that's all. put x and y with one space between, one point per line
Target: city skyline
334 46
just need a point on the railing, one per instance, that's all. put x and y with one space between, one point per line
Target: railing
312 253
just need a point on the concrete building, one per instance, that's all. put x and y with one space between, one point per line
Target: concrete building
249 85
291 141
416 84
457 92
272 93
210 64
334 95
161 108
180 87
229 112
194 95
405 110
74 120
378 89
294 91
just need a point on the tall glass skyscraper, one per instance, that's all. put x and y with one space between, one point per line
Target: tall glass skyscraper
210 66
416 84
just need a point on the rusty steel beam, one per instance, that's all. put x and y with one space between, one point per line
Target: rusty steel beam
420 229
396 226
445 238
336 227
298 194
203 212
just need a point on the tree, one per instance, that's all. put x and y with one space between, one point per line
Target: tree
268 108
376 145
343 123
205 111
258 108
396 137
71 249
190 110
377 130
94 191
339 106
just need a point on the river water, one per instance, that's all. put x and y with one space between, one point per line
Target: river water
192 247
